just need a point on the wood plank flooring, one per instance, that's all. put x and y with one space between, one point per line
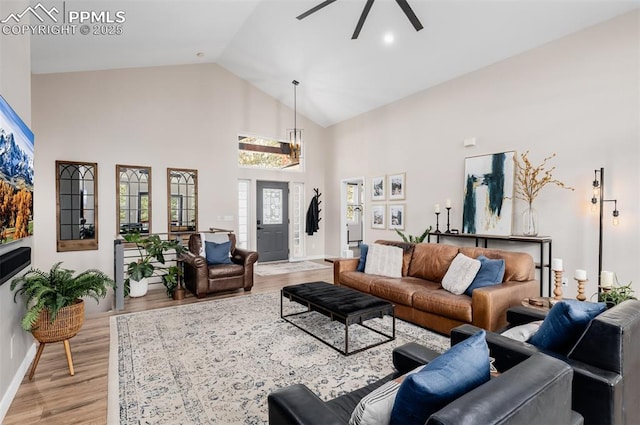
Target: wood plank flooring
54 397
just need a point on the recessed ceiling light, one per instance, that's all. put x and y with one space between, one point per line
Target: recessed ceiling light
200 54
388 38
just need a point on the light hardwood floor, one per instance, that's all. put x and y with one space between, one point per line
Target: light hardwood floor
54 397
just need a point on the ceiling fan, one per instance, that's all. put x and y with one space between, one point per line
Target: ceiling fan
367 7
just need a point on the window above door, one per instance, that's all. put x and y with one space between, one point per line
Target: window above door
266 153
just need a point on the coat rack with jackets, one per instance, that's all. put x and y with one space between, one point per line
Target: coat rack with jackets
313 213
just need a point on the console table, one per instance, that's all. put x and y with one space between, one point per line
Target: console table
541 241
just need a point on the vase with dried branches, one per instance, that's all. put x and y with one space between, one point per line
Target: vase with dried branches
530 180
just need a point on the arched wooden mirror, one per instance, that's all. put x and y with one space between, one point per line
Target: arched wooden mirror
133 194
76 206
182 200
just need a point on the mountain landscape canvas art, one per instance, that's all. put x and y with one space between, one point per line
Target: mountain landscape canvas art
16 176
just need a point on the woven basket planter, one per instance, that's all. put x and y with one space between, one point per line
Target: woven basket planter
67 324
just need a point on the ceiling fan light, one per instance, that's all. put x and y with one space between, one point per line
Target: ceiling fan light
404 5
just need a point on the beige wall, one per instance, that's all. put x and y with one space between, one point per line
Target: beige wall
577 97
15 87
174 116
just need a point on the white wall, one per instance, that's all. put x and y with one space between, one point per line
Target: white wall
578 97
174 116
15 87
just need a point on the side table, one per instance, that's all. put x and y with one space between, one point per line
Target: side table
179 292
541 303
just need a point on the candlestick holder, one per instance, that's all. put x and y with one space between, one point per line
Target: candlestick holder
581 296
448 212
557 292
437 224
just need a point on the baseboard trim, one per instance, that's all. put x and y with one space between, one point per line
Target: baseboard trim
7 399
300 259
314 257
332 256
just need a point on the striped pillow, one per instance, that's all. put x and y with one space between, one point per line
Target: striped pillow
375 408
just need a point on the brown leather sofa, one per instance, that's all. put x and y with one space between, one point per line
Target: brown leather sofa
202 279
419 297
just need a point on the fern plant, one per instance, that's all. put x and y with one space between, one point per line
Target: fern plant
414 239
57 289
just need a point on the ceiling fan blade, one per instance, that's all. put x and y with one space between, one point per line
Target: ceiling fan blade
409 12
315 9
363 17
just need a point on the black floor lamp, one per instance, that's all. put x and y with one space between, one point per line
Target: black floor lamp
598 198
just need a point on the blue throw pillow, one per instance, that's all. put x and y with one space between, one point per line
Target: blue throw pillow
491 273
455 372
564 324
217 253
364 248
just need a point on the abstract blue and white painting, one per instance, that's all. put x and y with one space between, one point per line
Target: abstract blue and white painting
16 176
488 194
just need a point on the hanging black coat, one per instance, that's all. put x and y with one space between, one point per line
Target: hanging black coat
313 216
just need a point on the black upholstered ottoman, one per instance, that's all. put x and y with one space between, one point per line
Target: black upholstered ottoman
340 303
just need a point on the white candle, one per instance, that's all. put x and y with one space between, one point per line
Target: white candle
606 279
556 264
581 274
448 203
436 208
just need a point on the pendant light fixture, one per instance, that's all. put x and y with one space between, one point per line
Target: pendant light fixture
295 134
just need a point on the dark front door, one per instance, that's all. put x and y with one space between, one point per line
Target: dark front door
272 220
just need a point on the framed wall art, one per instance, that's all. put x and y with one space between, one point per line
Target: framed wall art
378 189
396 216
378 216
397 186
488 194
16 176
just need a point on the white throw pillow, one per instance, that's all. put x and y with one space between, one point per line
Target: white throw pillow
384 260
375 408
460 274
523 332
211 237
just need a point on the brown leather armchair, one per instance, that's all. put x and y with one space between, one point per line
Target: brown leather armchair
202 279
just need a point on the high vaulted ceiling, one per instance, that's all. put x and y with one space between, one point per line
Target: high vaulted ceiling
262 42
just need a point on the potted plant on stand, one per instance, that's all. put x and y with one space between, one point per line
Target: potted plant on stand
55 309
150 262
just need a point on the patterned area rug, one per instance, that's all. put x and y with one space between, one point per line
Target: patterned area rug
270 269
217 361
